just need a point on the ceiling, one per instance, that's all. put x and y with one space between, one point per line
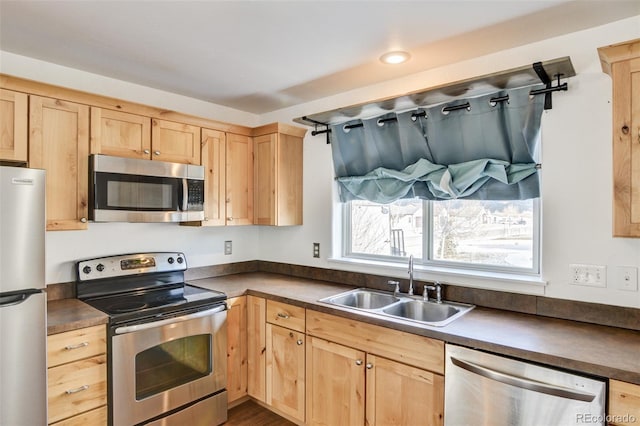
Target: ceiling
261 56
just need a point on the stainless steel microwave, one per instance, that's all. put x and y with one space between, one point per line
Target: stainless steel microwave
132 190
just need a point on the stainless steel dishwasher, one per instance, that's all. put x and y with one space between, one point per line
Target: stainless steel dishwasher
485 389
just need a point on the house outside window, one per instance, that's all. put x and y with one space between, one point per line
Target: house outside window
497 236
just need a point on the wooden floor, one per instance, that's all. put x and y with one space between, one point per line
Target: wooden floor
251 414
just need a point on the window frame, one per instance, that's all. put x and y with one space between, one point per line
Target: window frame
427 261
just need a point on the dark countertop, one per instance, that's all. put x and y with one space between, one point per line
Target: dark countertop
71 314
593 349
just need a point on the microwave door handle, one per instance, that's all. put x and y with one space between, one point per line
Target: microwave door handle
185 194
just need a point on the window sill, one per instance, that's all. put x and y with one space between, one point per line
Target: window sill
518 283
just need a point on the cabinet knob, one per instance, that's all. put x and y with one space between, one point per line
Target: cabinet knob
299 342
206 219
156 152
229 219
625 129
369 366
358 362
146 151
83 219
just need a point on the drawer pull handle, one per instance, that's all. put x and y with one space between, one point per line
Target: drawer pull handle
76 390
76 346
283 315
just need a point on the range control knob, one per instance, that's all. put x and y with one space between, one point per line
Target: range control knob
170 260
86 269
180 260
100 267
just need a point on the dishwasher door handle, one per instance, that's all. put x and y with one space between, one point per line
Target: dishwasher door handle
522 382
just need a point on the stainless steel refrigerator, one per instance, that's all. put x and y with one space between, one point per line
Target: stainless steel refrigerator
23 302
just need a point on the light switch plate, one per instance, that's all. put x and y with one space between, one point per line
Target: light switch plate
588 275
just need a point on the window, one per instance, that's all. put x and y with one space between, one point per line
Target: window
500 236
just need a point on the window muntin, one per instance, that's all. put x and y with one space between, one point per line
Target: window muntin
500 236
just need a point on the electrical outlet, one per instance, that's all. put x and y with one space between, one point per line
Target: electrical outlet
589 275
316 249
228 247
626 278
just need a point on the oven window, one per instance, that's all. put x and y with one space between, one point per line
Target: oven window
172 364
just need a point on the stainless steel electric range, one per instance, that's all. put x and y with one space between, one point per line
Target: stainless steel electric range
166 340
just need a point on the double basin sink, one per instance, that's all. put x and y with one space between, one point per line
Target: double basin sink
396 306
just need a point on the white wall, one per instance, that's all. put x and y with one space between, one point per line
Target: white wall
576 174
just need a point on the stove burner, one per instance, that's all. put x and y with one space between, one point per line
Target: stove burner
127 307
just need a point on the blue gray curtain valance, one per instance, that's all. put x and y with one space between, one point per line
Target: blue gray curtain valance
488 151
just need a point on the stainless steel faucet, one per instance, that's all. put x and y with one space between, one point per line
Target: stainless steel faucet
437 287
410 292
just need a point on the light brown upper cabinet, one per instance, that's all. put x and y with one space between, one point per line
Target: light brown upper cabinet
622 63
13 125
120 134
175 142
239 180
59 143
228 184
278 175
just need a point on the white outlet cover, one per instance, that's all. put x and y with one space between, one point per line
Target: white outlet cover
626 278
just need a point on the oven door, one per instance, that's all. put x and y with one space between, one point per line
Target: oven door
161 366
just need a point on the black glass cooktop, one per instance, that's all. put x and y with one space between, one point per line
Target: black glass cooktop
158 302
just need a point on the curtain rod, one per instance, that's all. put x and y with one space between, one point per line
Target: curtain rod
537 67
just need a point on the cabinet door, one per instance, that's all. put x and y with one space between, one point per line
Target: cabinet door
239 180
335 384
624 403
236 348
120 134
59 143
278 180
13 125
175 142
214 162
398 394
626 148
265 179
256 347
285 371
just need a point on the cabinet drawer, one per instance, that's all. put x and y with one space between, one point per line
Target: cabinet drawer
97 417
292 317
77 387
407 348
77 344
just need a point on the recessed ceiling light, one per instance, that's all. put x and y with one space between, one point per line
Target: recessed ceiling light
395 57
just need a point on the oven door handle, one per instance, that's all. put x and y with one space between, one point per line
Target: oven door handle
146 326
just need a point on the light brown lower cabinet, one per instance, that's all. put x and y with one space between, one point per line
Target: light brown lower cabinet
236 348
624 403
256 348
285 371
359 373
77 377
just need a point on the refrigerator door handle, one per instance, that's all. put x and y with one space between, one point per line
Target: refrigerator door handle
9 299
522 382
